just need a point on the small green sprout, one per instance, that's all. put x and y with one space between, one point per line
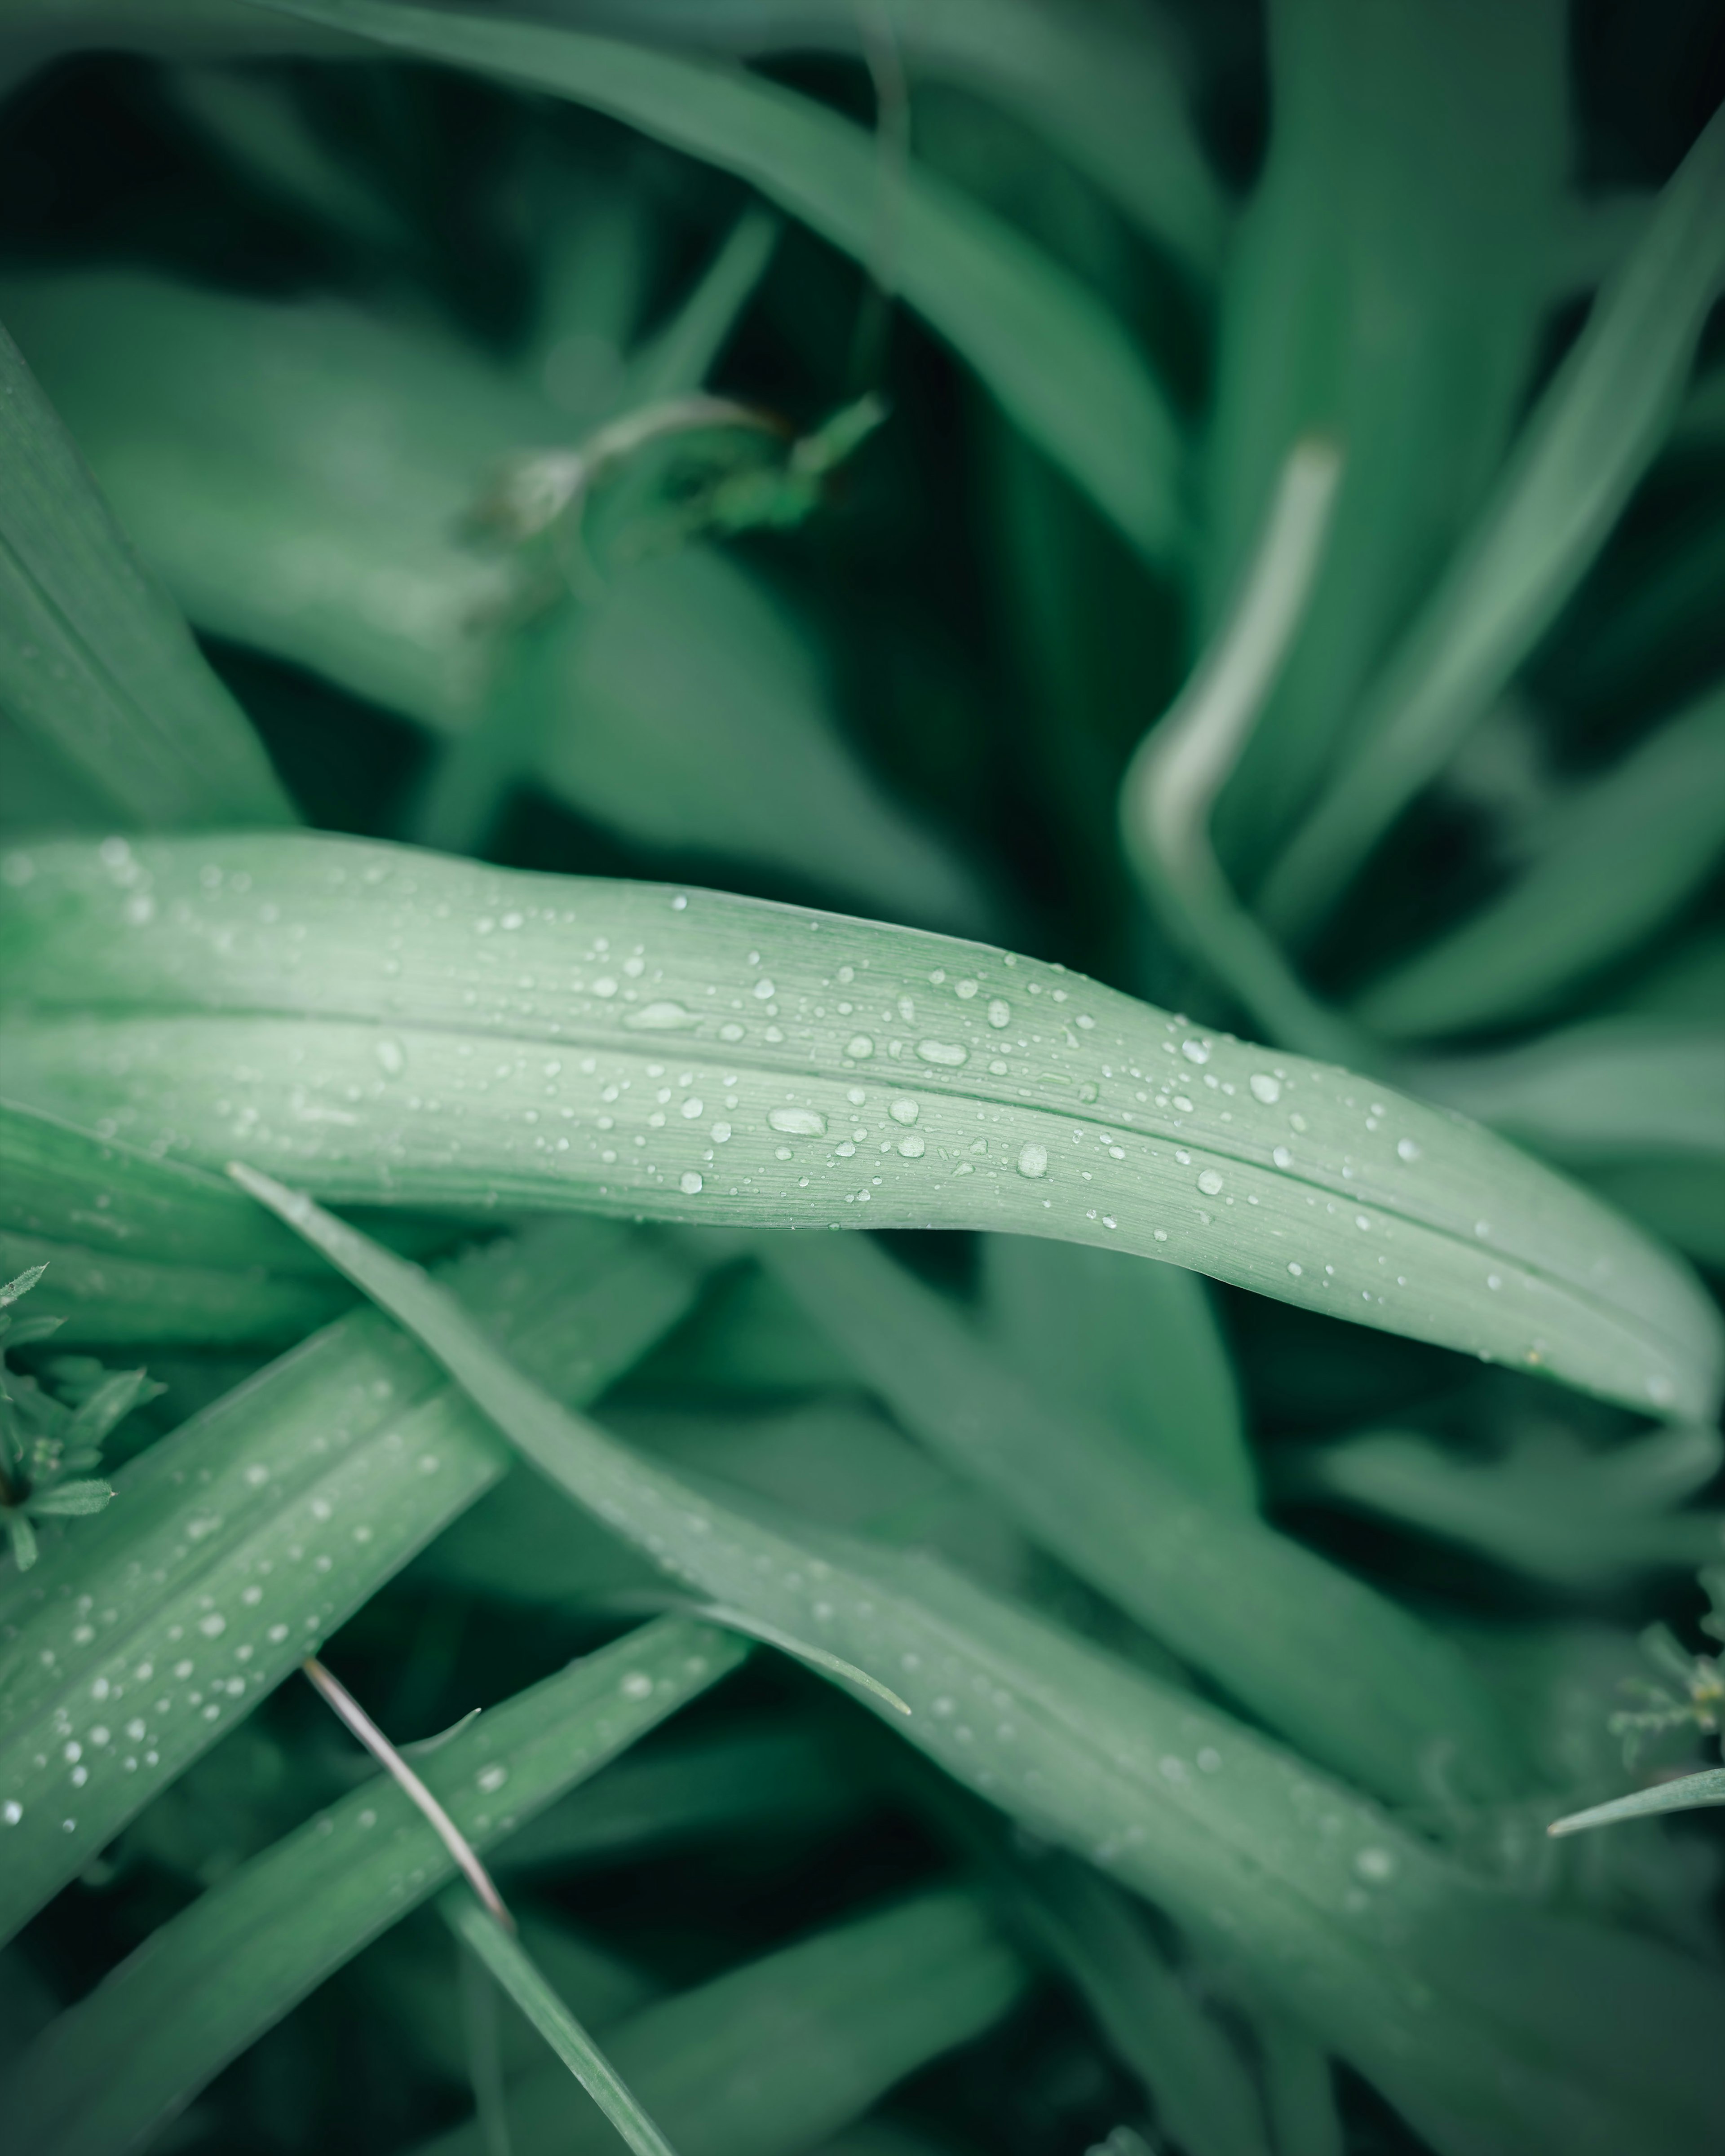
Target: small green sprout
49 1441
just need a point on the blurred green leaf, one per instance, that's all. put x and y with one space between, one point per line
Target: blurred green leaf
1056 359
93 657
768 2059
1595 430
323 1009
1612 865
210 1981
1386 291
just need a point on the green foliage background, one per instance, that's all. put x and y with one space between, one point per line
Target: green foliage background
625 629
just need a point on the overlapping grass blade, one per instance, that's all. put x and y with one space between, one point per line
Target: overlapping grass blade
233 1546
1388 288
1055 358
1348 1676
771 2058
1594 891
1479 2017
93 657
1136 1347
209 1982
1595 431
1109 95
521 1977
377 1023
143 1249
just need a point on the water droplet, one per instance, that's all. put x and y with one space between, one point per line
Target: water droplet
1195 1051
12 1811
1265 1088
1379 1864
1407 1148
604 986
637 1685
1033 1160
658 1017
1282 1156
965 989
1295 1269
902 1110
390 1057
690 1184
913 1145
693 1107
798 1123
721 1132
859 1046
999 1012
491 1777
1209 1183
949 1052
764 990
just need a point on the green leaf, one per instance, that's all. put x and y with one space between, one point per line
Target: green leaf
1387 289
210 1981
1152 2022
144 1249
1687 1793
516 1971
1595 889
379 1024
93 657
1351 1678
1526 2043
1057 361
1138 1346
1592 437
1610 1089
234 1545
769 2059
301 475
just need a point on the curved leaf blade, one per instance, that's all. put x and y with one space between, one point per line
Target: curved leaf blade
1360 1927
93 656
374 1023
1058 362
1690 1792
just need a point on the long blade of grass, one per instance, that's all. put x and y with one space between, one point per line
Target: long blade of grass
1349 1676
516 1971
1689 1793
1055 358
1111 95
234 1545
143 1249
377 1023
770 2058
1595 890
1595 431
199 1990
1359 1927
94 658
